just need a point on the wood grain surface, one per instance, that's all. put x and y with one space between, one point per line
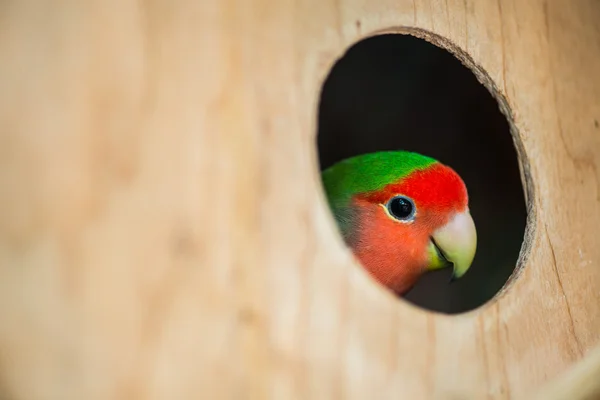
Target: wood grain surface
164 235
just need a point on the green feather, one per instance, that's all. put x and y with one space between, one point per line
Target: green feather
366 173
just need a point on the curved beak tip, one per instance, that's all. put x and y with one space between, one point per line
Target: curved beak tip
458 242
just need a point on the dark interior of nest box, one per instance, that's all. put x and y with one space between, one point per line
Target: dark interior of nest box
399 92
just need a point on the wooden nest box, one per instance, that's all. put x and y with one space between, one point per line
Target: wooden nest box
163 229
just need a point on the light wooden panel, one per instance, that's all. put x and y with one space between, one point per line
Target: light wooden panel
163 233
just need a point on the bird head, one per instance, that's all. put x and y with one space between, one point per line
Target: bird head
403 214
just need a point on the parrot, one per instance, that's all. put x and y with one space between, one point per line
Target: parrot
402 214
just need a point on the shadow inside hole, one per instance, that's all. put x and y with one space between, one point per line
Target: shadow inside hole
398 92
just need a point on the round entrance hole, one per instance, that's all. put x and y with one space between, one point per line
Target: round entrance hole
398 92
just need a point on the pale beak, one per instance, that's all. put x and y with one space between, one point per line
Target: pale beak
457 241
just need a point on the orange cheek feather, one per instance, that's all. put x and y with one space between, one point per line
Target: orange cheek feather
393 252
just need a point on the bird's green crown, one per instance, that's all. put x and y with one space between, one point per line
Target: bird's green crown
369 172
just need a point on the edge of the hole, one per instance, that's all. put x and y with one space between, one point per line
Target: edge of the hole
523 161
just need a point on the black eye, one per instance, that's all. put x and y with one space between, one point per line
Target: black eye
401 208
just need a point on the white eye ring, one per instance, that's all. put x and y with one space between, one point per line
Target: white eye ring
401 208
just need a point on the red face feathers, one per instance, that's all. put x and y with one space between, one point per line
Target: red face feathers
406 226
